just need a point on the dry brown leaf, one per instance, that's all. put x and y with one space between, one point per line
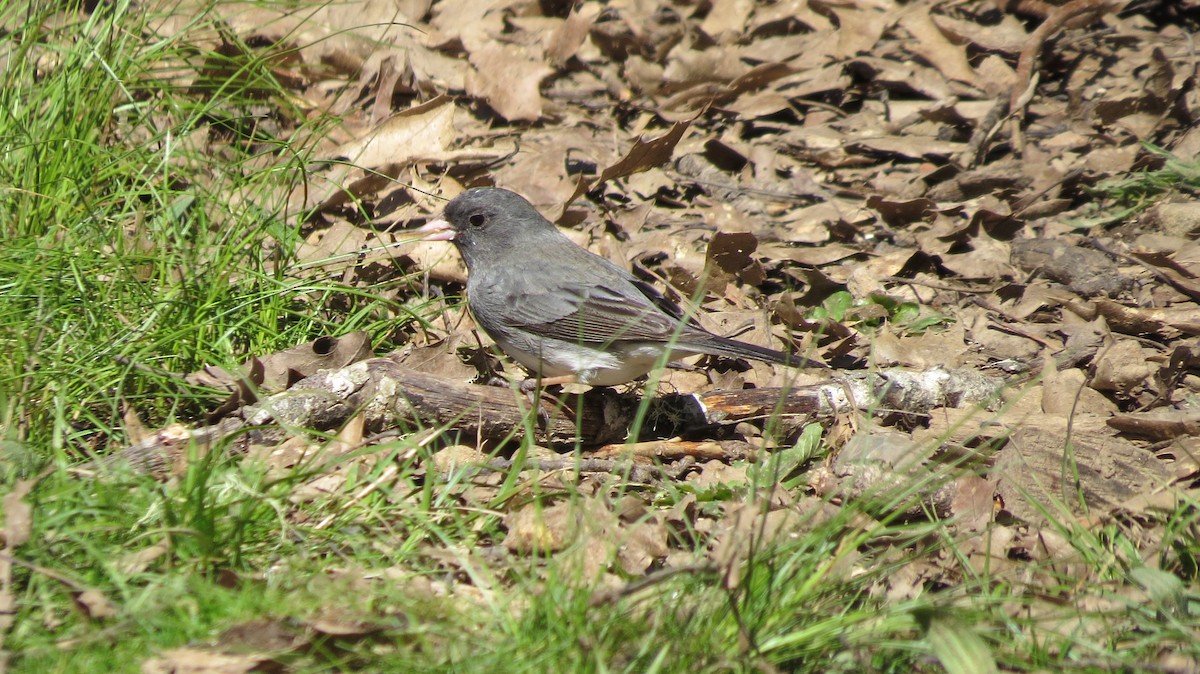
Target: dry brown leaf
538 530
931 348
1038 466
334 622
640 545
644 155
421 133
973 503
908 147
509 78
1066 392
688 67
138 561
566 40
1158 425
1176 219
456 457
1121 367
988 258
726 20
729 256
932 44
860 30
262 635
95 604
278 371
790 10
445 356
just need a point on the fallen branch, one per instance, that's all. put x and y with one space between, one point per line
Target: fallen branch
391 396
1056 21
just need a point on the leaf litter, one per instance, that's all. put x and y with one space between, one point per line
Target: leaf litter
763 159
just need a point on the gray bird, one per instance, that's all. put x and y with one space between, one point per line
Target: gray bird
564 313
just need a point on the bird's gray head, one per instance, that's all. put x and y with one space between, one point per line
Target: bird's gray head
487 222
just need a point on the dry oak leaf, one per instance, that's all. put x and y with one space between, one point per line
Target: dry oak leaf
932 44
644 155
509 78
421 133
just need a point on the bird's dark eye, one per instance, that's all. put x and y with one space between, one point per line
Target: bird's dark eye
477 220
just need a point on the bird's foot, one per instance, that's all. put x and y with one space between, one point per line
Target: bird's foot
534 390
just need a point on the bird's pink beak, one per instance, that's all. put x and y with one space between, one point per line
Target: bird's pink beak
438 230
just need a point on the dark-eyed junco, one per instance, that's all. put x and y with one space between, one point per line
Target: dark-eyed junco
565 314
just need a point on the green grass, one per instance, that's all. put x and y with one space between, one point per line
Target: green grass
221 525
1122 198
123 246
129 241
1139 190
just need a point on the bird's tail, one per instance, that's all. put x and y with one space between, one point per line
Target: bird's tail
731 348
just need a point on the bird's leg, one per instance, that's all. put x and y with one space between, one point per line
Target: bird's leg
530 387
497 380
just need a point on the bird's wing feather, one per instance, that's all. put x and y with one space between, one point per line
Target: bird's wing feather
605 315
604 308
589 301
669 307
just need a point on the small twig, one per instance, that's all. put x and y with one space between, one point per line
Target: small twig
1026 202
992 308
636 472
1159 275
896 126
122 360
603 597
1017 109
49 573
662 450
938 286
1037 40
987 127
1034 7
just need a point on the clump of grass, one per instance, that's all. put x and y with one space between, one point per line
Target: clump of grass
140 237
1138 191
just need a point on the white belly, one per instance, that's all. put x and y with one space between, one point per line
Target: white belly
593 367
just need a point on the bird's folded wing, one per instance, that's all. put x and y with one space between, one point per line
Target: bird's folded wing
593 314
670 308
